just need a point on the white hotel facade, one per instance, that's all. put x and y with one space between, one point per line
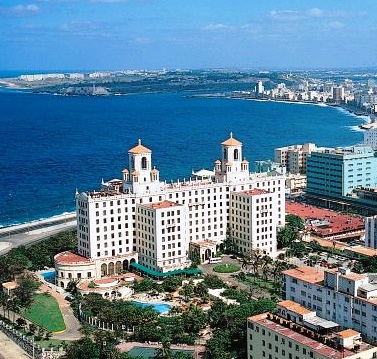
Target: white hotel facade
141 219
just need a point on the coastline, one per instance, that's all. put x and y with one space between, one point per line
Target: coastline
364 116
11 85
39 223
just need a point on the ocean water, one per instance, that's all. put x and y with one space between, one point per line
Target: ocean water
52 145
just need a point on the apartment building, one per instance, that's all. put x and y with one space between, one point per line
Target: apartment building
294 332
339 295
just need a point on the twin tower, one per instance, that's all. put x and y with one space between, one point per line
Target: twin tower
140 178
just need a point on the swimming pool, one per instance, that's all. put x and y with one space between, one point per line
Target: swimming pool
49 276
161 308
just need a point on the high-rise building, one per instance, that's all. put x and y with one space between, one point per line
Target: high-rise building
335 173
338 93
140 219
371 232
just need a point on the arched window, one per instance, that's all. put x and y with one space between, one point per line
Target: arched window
225 155
144 163
236 154
132 163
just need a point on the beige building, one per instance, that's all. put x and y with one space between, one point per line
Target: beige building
294 157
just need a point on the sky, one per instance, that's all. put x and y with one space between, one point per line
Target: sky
187 34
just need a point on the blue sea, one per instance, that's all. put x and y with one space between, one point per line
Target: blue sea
52 145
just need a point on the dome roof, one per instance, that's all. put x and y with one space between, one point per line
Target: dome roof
231 141
139 149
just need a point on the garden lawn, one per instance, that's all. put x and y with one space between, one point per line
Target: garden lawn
44 311
226 268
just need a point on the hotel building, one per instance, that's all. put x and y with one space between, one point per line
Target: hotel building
140 219
339 295
294 332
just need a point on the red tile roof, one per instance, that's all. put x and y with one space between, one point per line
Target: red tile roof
70 257
163 204
337 223
307 274
255 192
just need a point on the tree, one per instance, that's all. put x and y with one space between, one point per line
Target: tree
187 291
171 284
266 264
295 222
106 342
213 281
230 246
218 346
32 328
256 255
246 260
297 249
144 285
194 319
25 290
164 352
3 301
21 322
201 290
84 349
72 286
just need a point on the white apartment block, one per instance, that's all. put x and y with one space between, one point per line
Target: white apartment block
294 332
370 138
339 295
371 232
126 221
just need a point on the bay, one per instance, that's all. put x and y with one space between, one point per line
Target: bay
51 145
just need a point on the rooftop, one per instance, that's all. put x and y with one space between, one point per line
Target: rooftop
318 343
163 204
294 307
139 149
70 257
348 333
9 285
307 274
231 141
255 192
324 222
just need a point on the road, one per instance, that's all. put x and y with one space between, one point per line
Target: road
28 233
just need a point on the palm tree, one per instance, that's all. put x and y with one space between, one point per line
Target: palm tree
266 262
246 260
3 301
256 256
164 352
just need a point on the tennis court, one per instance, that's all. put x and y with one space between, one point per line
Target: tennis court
148 352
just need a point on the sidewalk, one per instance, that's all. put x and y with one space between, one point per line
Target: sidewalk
9 349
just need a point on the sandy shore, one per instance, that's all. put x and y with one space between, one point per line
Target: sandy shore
9 83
